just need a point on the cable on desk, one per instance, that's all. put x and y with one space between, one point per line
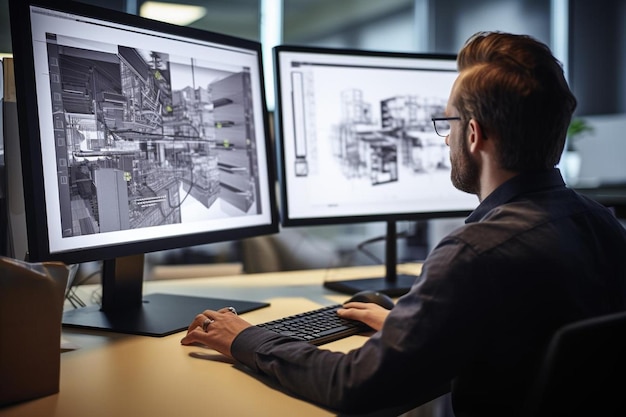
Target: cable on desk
70 293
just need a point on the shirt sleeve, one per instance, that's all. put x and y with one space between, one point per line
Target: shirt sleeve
411 360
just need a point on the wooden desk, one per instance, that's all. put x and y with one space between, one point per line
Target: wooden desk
113 374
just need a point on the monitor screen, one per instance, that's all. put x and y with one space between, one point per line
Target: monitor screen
137 136
357 143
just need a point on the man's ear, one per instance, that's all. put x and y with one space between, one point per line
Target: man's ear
475 135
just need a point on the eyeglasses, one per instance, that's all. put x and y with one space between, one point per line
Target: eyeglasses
442 125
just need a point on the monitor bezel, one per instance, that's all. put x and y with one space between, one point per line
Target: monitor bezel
35 200
286 219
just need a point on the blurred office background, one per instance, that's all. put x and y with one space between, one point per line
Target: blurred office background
588 37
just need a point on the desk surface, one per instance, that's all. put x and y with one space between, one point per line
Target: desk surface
113 374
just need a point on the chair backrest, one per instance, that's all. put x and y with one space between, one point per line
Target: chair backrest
584 370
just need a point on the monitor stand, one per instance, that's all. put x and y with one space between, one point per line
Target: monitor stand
125 309
392 284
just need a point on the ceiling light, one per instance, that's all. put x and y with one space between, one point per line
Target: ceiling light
178 14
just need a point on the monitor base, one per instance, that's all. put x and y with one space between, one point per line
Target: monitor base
159 315
396 288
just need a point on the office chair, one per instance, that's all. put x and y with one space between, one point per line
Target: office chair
583 371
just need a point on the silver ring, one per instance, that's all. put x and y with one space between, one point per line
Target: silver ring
232 310
205 324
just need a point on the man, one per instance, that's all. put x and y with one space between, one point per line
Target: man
533 256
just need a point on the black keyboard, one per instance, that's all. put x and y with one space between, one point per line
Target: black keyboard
316 326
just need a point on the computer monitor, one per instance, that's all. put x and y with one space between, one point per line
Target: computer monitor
137 136
356 143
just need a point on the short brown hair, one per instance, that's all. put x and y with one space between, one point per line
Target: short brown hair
515 88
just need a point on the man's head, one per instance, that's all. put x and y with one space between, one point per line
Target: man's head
514 89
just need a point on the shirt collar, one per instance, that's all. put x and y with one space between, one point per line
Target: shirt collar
520 184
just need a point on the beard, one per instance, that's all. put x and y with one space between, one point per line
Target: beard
465 171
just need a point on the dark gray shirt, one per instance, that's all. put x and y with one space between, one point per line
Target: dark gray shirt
533 256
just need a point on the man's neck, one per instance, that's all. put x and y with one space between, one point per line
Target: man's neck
492 179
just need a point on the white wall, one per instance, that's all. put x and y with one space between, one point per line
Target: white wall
602 151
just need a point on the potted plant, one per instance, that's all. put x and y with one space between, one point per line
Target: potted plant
570 161
577 128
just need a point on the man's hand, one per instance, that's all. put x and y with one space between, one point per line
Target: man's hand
215 329
369 313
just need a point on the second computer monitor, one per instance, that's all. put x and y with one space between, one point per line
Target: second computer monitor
356 141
